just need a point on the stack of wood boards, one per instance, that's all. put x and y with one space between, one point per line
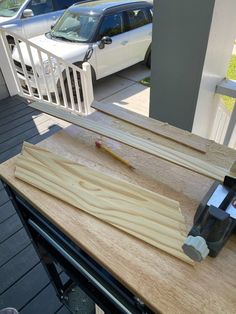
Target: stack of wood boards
143 214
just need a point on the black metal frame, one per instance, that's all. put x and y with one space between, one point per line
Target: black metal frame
54 248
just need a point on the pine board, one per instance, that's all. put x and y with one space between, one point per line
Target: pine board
150 217
155 126
166 153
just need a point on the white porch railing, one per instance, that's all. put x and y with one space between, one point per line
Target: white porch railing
44 77
223 130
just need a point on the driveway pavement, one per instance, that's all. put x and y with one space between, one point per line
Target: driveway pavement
124 89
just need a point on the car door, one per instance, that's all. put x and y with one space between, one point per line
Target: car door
114 57
39 23
140 33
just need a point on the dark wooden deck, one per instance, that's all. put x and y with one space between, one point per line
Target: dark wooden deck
24 283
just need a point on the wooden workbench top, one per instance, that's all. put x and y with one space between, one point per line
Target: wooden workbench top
163 282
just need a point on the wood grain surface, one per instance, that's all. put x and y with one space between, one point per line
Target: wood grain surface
149 216
163 282
155 126
174 156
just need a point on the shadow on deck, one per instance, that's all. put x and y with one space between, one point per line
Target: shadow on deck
24 283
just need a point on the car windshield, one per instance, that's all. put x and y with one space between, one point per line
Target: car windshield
75 27
9 8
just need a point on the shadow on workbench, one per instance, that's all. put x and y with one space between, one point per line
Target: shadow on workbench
24 283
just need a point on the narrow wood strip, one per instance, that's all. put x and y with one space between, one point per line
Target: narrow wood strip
166 153
160 128
133 209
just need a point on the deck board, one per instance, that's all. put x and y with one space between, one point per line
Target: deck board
23 292
24 283
39 306
17 267
6 210
10 227
13 245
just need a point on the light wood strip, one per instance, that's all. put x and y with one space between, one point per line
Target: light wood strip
136 211
166 153
160 128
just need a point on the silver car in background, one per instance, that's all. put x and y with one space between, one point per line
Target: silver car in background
30 18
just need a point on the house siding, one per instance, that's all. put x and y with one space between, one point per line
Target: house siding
3 87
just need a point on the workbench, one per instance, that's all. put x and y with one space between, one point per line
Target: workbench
164 283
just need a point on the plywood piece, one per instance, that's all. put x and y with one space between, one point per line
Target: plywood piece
166 153
143 214
159 128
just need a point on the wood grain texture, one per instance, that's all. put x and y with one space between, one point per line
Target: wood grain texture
166 153
166 284
155 126
148 216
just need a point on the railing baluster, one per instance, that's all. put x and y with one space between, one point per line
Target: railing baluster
46 85
35 74
77 88
24 67
65 105
12 65
69 85
44 78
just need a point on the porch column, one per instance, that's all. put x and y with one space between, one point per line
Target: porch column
192 44
6 71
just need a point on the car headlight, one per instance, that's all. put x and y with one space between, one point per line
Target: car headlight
50 69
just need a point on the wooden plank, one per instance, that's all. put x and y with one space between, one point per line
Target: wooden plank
26 289
12 110
9 227
18 122
18 114
31 137
166 153
11 101
10 104
155 126
3 197
40 128
15 132
15 269
6 211
148 216
13 245
46 302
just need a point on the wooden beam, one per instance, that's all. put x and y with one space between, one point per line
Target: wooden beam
166 153
160 128
143 214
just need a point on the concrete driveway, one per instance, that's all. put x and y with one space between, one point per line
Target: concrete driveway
124 89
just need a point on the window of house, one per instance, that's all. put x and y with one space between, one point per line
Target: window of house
40 6
137 18
111 25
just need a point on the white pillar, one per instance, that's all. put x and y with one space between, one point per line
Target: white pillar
6 71
219 50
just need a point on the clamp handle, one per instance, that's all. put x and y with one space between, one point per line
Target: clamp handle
195 248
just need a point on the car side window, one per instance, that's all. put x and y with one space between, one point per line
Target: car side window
40 6
137 18
111 25
63 4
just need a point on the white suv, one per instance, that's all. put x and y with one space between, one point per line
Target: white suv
117 34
